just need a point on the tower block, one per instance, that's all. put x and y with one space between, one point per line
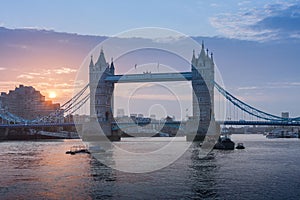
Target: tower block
203 95
101 97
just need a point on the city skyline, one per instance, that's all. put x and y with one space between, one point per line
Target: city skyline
255 43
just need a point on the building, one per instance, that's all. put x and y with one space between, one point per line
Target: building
28 103
285 114
153 116
120 112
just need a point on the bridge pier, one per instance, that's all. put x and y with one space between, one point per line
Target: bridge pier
196 130
200 132
98 131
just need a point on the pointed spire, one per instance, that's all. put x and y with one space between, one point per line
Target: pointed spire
211 56
194 60
194 57
202 53
101 62
207 52
92 62
112 66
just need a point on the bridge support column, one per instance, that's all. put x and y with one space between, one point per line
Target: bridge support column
203 132
94 131
196 129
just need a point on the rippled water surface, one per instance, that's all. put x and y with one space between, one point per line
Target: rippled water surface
266 169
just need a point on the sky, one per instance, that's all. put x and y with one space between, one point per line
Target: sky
234 19
263 38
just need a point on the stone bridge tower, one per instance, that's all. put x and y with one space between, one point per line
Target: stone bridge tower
101 94
203 96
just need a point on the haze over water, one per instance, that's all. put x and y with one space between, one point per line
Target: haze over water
266 169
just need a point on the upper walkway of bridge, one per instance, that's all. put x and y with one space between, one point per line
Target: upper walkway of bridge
150 77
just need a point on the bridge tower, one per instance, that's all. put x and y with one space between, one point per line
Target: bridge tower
203 96
101 94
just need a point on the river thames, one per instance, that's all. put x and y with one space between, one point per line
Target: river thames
266 169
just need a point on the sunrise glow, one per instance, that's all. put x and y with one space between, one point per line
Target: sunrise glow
52 95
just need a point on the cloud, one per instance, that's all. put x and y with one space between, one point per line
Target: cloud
270 85
283 22
44 84
18 46
64 70
214 5
25 76
248 88
8 83
34 74
64 85
47 72
279 85
295 83
2 68
270 22
38 28
243 3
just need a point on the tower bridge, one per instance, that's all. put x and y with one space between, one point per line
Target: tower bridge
102 79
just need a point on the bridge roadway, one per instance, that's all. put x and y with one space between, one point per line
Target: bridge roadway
149 77
172 124
261 123
239 123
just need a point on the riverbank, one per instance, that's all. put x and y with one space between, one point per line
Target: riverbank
34 134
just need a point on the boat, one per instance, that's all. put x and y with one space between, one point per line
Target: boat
161 134
282 133
240 146
78 149
224 143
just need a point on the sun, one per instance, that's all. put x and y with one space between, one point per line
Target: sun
52 95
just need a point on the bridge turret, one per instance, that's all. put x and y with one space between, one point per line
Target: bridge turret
91 66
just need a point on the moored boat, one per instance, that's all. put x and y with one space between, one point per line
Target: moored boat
240 146
224 143
78 149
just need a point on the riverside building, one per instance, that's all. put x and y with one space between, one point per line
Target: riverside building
28 103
